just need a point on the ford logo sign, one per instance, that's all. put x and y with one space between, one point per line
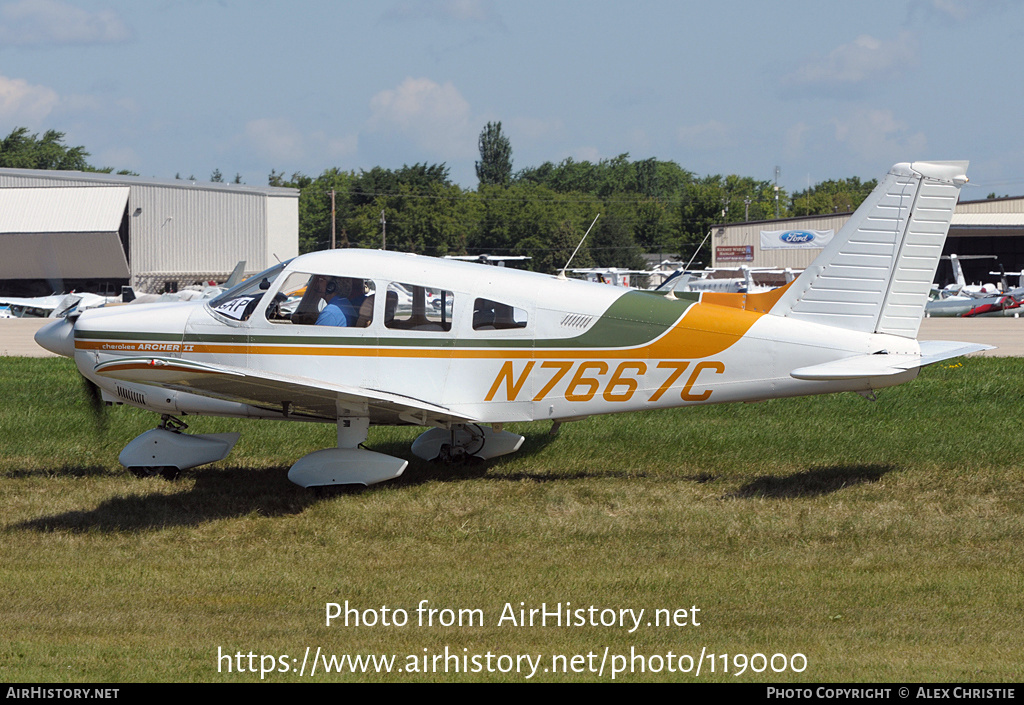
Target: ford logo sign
795 237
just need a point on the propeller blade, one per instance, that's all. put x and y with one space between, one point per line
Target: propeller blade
96 404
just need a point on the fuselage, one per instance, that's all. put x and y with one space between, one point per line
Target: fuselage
490 344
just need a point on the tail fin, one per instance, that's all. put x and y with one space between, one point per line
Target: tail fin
237 274
958 272
876 273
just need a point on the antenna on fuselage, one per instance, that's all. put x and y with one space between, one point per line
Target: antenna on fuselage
561 275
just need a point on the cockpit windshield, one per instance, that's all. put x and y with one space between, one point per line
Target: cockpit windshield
240 301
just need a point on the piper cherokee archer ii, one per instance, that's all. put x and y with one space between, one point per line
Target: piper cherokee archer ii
464 349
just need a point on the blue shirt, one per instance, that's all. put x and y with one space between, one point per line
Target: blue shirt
339 311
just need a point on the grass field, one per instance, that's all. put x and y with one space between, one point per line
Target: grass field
882 541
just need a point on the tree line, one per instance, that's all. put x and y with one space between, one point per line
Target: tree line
645 206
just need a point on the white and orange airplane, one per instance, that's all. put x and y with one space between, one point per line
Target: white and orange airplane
467 349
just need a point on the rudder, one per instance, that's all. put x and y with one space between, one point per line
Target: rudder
876 274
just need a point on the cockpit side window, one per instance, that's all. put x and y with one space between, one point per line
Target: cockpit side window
419 308
323 300
494 315
240 301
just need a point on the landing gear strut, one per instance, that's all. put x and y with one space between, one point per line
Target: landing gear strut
464 443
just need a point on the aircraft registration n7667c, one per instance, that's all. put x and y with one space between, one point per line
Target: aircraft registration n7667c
361 337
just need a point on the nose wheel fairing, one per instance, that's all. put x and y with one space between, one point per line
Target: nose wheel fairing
160 449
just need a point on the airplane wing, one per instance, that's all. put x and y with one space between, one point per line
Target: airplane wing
884 365
293 396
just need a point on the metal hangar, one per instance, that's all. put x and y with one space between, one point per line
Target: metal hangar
91 231
992 227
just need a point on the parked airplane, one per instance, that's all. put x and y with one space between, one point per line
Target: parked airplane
53 305
751 280
998 305
61 305
611 275
960 287
960 300
495 260
507 346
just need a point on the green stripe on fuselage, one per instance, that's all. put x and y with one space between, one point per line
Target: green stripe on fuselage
635 318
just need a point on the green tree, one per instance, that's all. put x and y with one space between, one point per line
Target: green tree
832 196
20 150
379 181
521 218
315 206
611 243
430 220
495 165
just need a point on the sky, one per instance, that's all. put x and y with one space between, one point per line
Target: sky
819 90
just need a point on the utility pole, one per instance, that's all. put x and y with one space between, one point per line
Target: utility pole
383 232
333 212
776 193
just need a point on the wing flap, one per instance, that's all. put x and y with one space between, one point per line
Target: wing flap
294 396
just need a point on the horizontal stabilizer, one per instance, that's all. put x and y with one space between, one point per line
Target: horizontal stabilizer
884 364
933 351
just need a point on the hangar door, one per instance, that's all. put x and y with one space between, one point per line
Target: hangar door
64 233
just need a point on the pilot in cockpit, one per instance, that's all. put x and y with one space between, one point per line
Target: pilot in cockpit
344 296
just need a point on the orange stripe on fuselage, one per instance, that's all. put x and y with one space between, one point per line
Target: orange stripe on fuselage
757 303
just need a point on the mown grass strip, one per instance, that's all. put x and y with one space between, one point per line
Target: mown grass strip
882 540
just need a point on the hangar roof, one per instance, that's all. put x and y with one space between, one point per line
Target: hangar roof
118 179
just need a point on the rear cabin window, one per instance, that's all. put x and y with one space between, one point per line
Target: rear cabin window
494 315
419 308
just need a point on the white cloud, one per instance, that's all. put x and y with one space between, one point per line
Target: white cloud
856 62
22 102
55 22
433 116
878 135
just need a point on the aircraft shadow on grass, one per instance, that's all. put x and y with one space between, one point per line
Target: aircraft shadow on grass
215 494
811 483
230 492
67 471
